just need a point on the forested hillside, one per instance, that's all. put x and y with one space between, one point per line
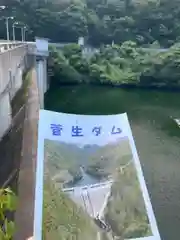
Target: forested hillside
130 24
63 161
117 65
125 211
62 218
100 21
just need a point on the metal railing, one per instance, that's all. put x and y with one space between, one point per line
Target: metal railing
7 46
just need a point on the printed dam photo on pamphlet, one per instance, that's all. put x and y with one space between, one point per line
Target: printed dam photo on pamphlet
92 192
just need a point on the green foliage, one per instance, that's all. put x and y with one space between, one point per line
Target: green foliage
105 160
125 210
100 21
7 204
129 24
71 49
57 164
64 72
119 65
62 218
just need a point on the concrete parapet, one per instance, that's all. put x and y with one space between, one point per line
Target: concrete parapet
13 63
5 46
26 190
10 61
5 113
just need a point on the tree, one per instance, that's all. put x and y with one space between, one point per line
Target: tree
101 21
120 65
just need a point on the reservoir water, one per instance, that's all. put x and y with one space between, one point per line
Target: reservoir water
157 138
86 179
